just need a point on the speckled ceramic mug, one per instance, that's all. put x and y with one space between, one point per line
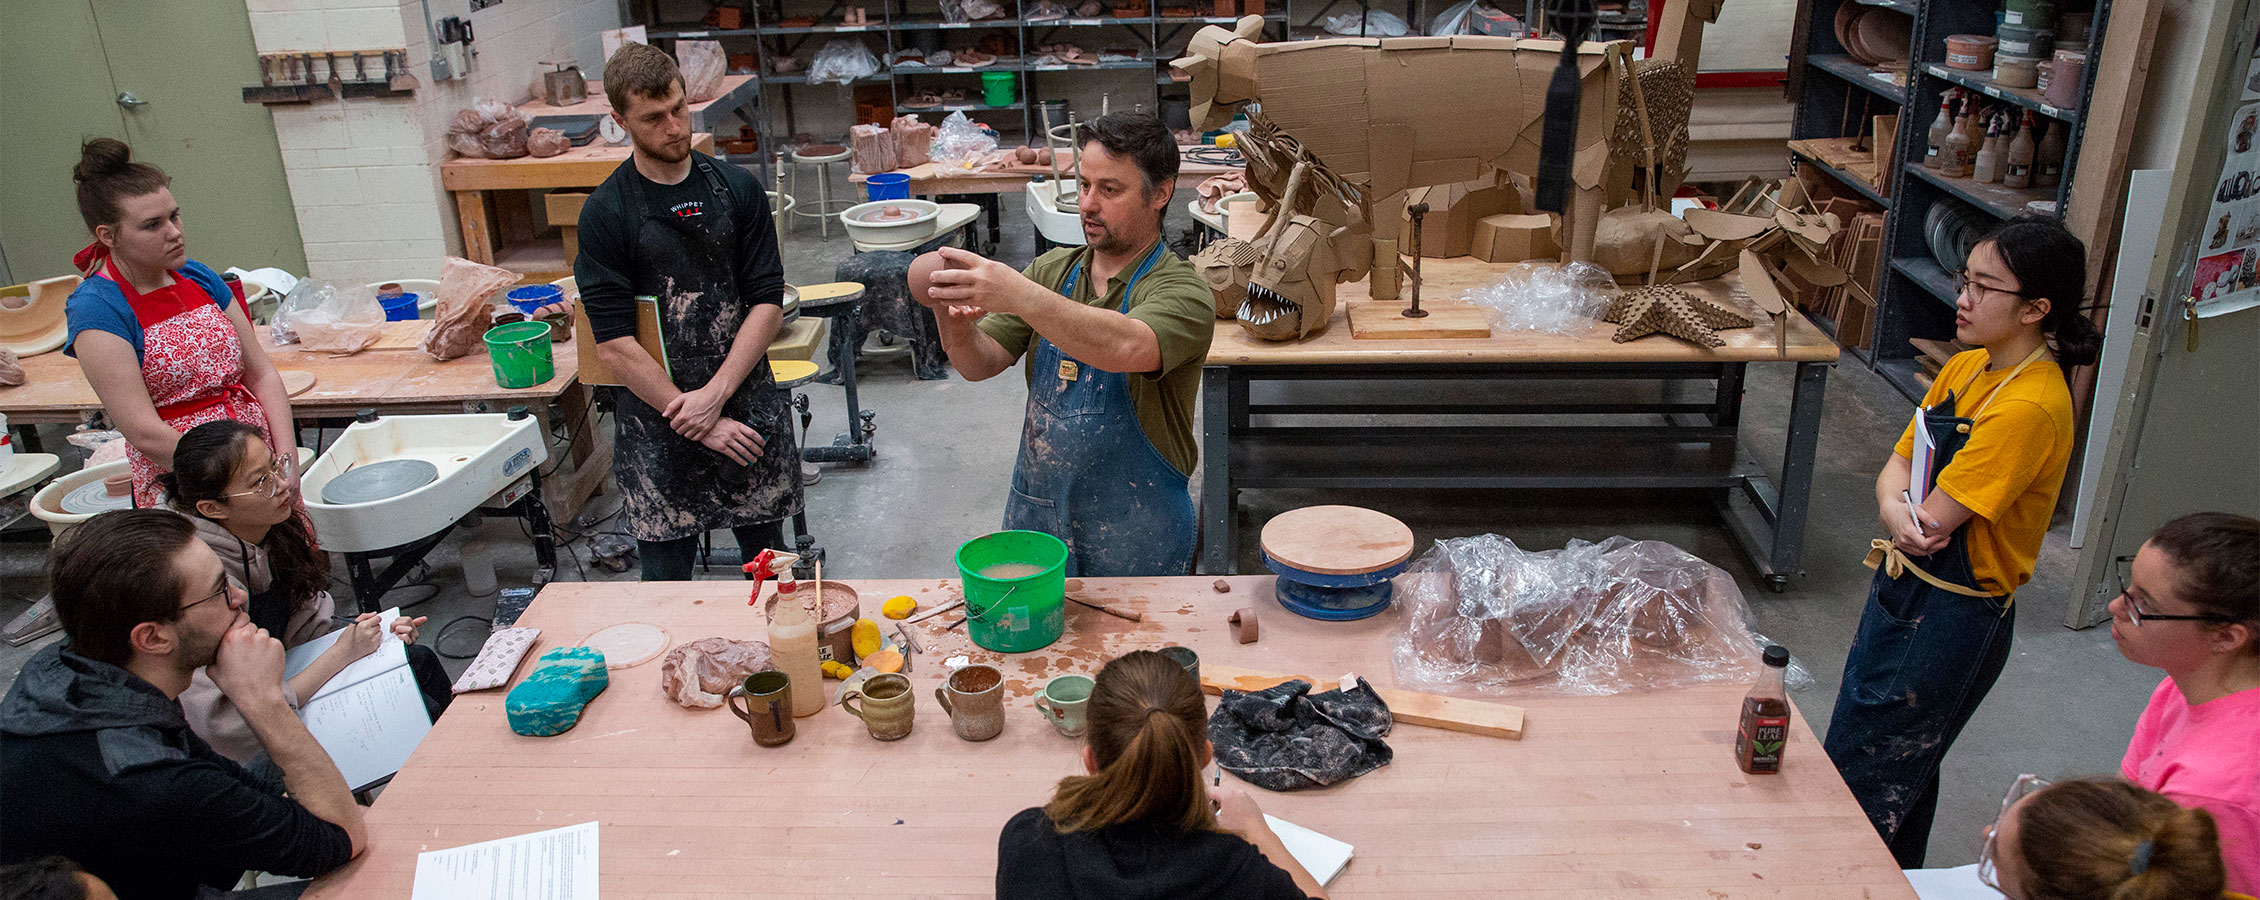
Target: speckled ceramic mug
974 698
885 704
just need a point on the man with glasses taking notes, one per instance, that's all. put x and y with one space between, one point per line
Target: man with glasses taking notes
98 762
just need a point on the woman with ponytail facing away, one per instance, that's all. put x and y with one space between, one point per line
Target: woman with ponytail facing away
2101 840
1142 824
2000 420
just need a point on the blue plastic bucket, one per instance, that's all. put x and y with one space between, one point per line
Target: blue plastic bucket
888 186
400 307
534 296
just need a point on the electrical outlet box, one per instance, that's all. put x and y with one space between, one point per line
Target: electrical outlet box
477 5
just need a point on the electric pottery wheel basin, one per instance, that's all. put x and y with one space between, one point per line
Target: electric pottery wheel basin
891 221
391 480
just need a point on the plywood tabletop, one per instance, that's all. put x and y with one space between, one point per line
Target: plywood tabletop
584 166
1614 797
54 390
1449 279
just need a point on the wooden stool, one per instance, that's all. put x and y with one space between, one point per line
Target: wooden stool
791 373
825 209
1335 562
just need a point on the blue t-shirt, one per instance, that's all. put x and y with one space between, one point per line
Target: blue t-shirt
99 305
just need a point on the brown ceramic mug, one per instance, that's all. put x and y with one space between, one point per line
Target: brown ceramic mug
974 698
887 706
770 696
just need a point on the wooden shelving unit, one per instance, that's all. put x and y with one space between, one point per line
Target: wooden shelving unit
1835 95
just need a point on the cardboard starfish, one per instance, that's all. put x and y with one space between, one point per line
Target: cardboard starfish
1658 308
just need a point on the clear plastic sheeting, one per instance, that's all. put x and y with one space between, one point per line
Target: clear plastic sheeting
489 129
842 61
1595 619
329 317
703 65
1368 23
1545 297
961 144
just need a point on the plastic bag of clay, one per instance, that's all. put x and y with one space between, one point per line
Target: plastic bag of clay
331 317
914 141
874 149
1368 23
1545 297
11 368
953 12
961 144
1046 9
465 309
704 65
842 61
1588 618
1475 17
547 142
489 129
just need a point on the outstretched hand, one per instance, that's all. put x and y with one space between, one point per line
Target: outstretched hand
976 284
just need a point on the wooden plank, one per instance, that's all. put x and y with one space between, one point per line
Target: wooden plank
1433 710
478 234
580 167
2099 173
1633 796
1384 320
1453 277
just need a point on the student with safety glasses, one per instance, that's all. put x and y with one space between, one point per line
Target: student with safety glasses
2100 839
2191 606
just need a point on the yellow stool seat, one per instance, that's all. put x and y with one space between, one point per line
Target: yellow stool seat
792 373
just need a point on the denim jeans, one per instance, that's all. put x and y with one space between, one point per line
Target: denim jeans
1921 663
672 560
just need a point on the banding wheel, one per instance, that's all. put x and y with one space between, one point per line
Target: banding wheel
1335 562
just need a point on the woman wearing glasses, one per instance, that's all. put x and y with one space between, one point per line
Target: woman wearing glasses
1998 421
2093 839
2192 607
242 498
160 337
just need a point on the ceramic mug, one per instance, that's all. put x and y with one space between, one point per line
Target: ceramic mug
770 696
974 698
1065 702
887 705
1184 656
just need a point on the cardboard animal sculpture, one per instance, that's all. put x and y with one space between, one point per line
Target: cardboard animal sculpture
1315 237
1225 265
1364 120
1661 308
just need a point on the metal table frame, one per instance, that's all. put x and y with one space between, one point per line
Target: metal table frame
1687 446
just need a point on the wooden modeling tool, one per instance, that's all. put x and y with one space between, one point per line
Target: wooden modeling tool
1117 612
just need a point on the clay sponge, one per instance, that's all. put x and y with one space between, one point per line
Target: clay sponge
551 698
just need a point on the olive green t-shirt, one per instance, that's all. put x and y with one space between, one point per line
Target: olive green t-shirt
1172 300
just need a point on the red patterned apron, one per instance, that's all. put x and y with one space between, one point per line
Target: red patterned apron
192 364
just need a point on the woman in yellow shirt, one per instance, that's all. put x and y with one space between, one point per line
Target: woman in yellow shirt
1936 629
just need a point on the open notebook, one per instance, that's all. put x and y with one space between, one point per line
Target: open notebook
369 716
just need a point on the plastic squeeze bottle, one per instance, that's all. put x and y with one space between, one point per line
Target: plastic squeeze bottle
792 643
2048 157
1765 718
1992 157
1939 129
2021 152
1961 148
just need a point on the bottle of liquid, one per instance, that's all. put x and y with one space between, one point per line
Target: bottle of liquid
1990 158
2021 149
792 644
1939 129
1961 149
2048 156
1765 718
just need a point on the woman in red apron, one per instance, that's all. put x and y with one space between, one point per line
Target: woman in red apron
160 337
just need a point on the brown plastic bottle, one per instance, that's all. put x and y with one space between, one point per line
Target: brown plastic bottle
1961 150
2020 157
1765 718
2048 156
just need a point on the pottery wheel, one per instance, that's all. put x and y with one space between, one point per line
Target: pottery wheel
628 644
379 481
91 497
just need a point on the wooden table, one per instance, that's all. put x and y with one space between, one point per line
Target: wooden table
392 381
1605 797
934 180
1678 443
737 91
501 233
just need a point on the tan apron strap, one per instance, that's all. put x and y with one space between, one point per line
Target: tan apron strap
1884 555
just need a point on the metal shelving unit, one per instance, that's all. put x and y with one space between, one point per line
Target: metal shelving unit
1834 92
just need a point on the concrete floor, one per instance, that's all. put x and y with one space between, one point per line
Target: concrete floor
2066 704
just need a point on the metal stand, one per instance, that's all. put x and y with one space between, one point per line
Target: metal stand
369 586
853 445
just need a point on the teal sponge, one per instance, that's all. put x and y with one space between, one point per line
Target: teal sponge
550 700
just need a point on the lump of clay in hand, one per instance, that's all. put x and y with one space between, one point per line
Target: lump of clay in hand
922 272
698 673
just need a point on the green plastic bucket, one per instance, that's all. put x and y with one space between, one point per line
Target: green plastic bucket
1014 613
520 353
999 88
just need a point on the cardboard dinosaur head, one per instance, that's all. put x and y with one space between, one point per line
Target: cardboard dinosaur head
1291 293
1225 265
1223 68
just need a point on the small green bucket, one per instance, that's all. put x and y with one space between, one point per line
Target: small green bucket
999 88
520 352
1019 612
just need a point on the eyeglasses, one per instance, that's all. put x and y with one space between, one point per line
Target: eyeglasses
1989 871
2134 608
270 482
1963 284
222 592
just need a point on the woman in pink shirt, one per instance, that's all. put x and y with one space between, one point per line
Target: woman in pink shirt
2192 607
